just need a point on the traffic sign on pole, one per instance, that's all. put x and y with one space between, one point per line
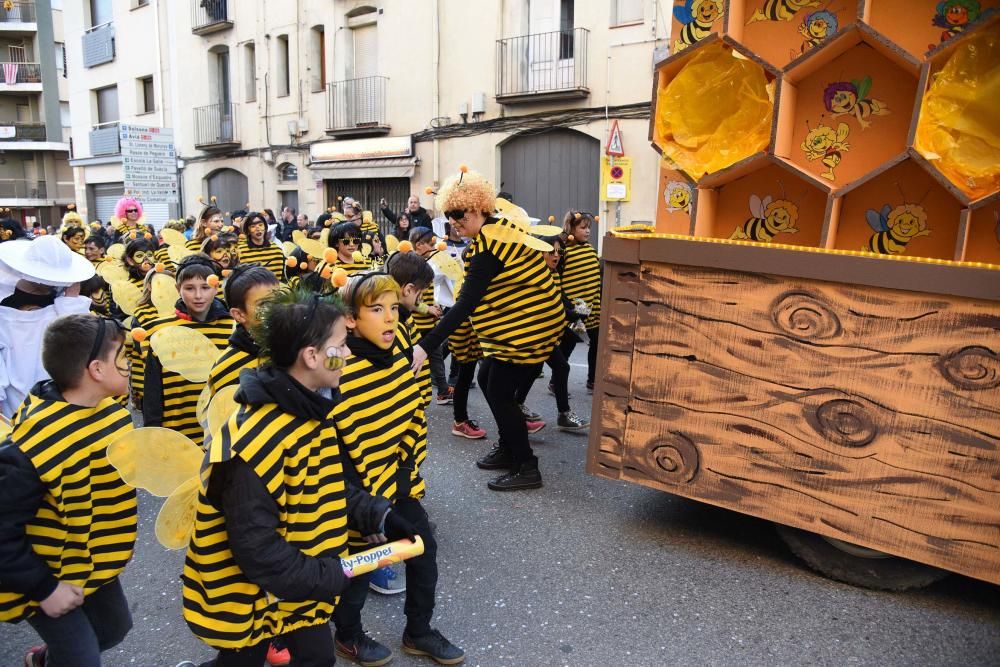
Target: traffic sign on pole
615 146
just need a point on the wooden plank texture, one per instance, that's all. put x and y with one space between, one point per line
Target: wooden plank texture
866 414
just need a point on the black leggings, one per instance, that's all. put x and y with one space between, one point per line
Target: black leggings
499 381
464 377
559 382
568 344
310 647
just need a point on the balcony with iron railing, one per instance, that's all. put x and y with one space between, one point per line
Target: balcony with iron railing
358 106
543 66
99 45
215 127
19 188
14 131
18 13
104 139
208 16
12 74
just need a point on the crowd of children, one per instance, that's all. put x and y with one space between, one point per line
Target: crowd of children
333 341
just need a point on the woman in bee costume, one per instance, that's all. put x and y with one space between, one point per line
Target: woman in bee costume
516 312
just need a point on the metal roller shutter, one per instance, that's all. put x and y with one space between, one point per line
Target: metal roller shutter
106 196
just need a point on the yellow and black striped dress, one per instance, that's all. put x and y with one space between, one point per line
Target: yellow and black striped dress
381 425
180 396
299 462
350 267
521 318
85 528
581 279
269 256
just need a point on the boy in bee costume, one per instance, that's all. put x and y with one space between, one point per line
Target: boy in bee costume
276 500
67 521
414 276
245 288
170 400
383 434
516 313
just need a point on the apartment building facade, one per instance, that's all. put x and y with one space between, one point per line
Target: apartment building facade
35 179
299 102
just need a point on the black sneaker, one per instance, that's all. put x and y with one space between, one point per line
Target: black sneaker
434 646
498 459
570 421
524 477
363 650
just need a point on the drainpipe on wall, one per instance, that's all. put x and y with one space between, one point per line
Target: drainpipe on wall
436 38
158 82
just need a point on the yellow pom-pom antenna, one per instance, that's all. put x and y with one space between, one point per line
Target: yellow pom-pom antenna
570 238
597 218
159 267
578 215
442 246
214 199
404 246
463 168
226 273
71 207
147 236
329 255
339 198
291 262
429 191
213 280
201 199
326 273
215 237
139 334
339 277
552 218
132 235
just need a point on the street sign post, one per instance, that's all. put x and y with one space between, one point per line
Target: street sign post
149 163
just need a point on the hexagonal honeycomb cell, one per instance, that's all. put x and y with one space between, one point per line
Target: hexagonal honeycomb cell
763 200
693 21
675 202
900 209
713 106
846 108
781 32
982 238
919 26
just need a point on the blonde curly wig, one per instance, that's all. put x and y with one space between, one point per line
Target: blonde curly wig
468 191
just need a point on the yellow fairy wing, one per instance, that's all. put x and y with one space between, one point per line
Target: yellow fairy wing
358 256
178 252
536 243
391 243
288 248
312 247
172 237
164 294
221 408
544 230
175 521
324 236
112 271
201 409
156 459
447 265
298 237
116 250
512 213
366 250
126 295
184 351
510 234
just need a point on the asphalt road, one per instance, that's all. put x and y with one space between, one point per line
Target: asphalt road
590 572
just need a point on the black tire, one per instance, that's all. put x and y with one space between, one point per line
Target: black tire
873 570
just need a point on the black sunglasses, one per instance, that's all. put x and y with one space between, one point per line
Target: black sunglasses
131 210
348 241
455 215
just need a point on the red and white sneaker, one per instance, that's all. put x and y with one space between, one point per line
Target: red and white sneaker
35 657
534 426
468 429
278 657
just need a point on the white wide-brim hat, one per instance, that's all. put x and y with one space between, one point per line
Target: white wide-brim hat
46 260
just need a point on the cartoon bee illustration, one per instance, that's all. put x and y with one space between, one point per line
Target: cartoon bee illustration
780 10
955 16
770 218
815 28
696 18
850 98
826 144
895 227
677 194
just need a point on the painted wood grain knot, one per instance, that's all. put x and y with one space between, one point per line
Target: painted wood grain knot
804 315
844 422
674 457
973 368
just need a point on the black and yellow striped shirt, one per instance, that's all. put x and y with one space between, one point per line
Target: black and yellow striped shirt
580 273
85 528
406 337
299 462
424 322
521 318
269 256
144 315
179 396
381 425
235 358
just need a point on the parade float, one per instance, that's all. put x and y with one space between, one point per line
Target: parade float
811 332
